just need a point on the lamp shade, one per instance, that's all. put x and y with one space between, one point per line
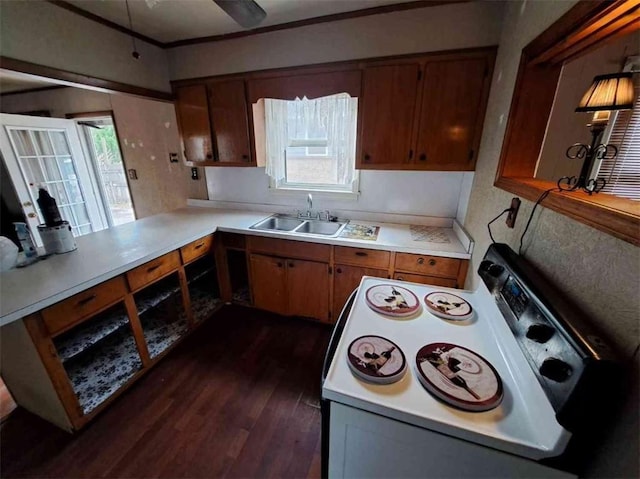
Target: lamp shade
608 92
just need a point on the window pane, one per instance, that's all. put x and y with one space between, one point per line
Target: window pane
81 213
65 212
60 143
33 171
23 142
318 170
43 145
58 192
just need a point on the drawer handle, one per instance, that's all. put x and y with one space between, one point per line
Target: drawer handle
279 264
432 262
420 260
153 268
338 270
86 300
361 253
198 246
290 265
400 278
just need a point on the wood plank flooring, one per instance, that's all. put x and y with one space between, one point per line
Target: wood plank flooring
238 399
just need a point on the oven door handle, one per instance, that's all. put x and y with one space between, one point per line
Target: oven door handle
335 335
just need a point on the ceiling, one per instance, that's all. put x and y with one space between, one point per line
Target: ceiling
171 20
11 82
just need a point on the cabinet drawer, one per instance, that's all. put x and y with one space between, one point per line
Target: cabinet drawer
65 313
362 257
196 249
289 249
429 265
433 280
153 270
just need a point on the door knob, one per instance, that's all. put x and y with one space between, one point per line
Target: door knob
31 215
27 203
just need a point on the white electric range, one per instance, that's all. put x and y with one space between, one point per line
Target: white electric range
401 430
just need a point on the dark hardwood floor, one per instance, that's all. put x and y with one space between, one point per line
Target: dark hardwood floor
238 398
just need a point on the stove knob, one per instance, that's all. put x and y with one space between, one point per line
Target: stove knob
556 370
495 270
485 265
540 333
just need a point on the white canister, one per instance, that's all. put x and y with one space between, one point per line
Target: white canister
57 239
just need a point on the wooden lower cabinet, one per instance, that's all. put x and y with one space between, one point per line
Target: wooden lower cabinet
290 287
269 283
431 280
346 279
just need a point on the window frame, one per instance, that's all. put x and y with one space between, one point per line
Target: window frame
582 29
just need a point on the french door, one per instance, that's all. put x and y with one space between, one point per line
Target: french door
46 152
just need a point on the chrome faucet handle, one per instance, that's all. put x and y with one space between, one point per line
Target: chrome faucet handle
309 202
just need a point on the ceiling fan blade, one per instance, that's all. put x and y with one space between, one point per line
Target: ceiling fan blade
247 13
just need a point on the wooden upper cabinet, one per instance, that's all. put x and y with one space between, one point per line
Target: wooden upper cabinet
386 115
454 94
192 109
230 121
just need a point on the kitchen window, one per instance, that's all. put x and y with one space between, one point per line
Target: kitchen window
310 145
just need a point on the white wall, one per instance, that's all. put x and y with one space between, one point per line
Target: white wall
412 31
599 273
42 33
400 192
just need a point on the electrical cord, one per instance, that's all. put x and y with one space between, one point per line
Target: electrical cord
494 220
538 201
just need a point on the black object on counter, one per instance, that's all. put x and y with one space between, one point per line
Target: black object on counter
49 208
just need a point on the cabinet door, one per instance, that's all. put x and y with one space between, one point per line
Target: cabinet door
268 282
193 115
388 106
347 278
229 121
308 289
451 115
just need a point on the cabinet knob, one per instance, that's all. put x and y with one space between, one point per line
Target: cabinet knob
400 278
290 265
432 262
338 270
209 156
245 157
423 157
361 253
367 157
420 260
279 264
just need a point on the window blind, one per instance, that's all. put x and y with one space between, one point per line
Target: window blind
622 173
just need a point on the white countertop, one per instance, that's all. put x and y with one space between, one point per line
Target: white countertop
111 252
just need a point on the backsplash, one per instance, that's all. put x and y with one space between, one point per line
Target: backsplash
420 193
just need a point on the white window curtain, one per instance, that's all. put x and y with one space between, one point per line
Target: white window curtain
331 118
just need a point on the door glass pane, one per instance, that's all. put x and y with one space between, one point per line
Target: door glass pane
23 142
33 171
43 145
74 192
59 193
51 168
81 214
60 143
65 164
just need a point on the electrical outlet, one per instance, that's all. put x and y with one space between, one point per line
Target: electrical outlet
173 158
194 173
133 174
511 216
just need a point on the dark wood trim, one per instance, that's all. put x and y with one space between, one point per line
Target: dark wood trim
88 114
81 80
315 20
32 90
582 29
331 67
616 216
103 21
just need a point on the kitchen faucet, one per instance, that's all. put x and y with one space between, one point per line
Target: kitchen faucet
309 203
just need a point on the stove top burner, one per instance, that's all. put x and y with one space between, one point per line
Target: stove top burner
448 306
459 377
376 360
392 300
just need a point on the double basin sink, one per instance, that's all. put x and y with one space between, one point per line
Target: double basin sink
290 224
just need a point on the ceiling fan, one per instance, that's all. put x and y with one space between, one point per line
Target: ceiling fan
246 13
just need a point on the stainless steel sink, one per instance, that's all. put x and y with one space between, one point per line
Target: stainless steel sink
277 223
324 228
300 226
